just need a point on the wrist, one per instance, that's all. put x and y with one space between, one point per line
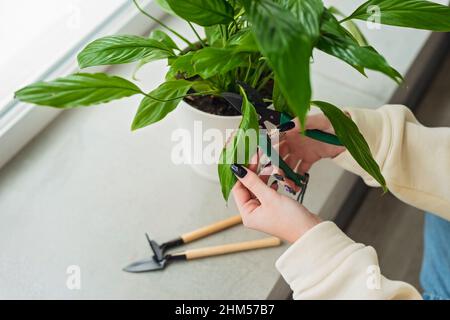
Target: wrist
299 229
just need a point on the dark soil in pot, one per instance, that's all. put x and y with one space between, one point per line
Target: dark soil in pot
219 106
212 105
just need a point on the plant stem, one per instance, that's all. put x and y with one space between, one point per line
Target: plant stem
258 72
249 68
162 24
196 34
264 81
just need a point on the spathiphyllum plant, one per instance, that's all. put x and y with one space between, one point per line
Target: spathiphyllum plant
267 44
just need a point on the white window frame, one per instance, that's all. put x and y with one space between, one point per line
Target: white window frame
21 122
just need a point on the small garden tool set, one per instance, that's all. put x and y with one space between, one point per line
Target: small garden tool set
161 258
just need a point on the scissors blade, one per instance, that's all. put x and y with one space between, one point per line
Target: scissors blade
234 99
265 114
254 96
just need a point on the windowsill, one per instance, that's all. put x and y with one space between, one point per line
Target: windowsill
20 122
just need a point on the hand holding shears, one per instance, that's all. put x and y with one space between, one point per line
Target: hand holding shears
272 120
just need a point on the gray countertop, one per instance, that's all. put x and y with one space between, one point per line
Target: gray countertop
86 190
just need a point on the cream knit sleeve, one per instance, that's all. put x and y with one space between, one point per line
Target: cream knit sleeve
415 160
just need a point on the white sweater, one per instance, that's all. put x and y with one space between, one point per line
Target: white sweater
415 160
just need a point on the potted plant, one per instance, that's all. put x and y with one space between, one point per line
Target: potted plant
267 44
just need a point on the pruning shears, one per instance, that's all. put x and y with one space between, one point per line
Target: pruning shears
270 119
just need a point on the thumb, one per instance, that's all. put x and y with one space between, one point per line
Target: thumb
253 183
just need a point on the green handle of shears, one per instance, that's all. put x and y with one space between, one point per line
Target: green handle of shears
316 134
265 144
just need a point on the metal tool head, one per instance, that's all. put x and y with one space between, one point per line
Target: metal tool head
253 95
234 99
146 266
158 251
265 114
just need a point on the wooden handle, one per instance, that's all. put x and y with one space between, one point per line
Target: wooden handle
230 248
213 228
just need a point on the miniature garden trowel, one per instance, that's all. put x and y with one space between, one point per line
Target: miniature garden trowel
153 264
160 250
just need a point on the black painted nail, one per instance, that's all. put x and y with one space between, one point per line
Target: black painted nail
278 177
286 126
289 189
239 170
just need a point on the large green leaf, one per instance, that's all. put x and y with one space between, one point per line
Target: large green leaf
308 13
243 41
350 26
203 12
417 14
352 139
163 38
181 65
357 56
213 36
331 25
78 90
160 102
341 43
288 48
165 6
121 49
211 61
229 154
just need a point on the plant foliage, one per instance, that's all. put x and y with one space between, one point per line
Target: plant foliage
263 43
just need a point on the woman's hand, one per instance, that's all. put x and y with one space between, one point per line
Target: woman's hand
263 209
301 152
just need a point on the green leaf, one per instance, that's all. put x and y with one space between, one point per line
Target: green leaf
163 38
165 6
214 36
332 28
356 33
350 136
211 61
230 152
121 49
182 65
418 14
203 12
351 27
288 48
308 13
357 56
243 41
279 102
81 89
153 110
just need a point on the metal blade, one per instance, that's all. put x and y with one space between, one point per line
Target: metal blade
254 96
145 266
158 252
234 99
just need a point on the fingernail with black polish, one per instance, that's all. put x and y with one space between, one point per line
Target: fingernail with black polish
286 126
289 189
239 170
278 177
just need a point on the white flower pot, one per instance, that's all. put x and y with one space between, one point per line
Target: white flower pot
197 123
